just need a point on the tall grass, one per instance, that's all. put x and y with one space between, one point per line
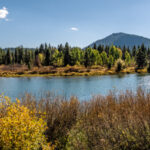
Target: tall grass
110 122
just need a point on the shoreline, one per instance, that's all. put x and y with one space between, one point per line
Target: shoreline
68 71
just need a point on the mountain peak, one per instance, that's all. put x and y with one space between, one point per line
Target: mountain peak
121 39
118 33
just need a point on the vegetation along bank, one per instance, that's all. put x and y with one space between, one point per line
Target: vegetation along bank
118 122
73 61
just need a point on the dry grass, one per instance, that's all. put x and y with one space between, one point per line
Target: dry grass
112 122
22 71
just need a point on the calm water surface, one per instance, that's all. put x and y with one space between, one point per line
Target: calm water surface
82 87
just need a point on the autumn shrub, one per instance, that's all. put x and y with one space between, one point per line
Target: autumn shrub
113 122
20 128
60 120
119 65
61 115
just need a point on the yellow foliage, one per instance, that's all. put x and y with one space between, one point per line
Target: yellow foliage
20 128
41 58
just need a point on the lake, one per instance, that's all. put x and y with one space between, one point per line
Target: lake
82 87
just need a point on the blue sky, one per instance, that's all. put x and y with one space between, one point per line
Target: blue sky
79 22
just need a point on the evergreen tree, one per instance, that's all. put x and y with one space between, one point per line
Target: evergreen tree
148 54
129 51
2 56
20 55
46 47
66 55
134 51
8 57
26 57
94 47
47 57
86 58
13 58
107 49
16 55
60 48
100 49
141 59
123 52
41 49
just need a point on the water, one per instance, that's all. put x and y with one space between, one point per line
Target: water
82 87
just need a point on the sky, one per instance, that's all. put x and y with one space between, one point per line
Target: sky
79 22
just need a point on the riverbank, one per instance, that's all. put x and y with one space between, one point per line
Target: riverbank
45 71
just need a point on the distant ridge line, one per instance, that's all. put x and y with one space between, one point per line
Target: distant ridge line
121 39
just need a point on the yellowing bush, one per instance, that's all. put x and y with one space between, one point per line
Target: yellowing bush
20 128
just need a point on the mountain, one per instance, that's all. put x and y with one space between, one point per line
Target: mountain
121 39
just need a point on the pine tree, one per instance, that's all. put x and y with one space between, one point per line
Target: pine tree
134 51
66 54
100 48
16 55
8 57
123 52
94 47
107 49
141 59
20 55
86 60
60 48
41 49
13 58
47 57
148 54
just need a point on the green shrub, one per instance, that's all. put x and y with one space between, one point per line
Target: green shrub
77 138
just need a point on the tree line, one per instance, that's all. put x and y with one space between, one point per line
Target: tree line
64 55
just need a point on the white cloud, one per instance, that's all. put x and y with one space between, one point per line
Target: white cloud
74 29
3 13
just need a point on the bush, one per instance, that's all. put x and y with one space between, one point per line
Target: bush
61 115
77 138
119 65
148 69
109 65
118 122
20 128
